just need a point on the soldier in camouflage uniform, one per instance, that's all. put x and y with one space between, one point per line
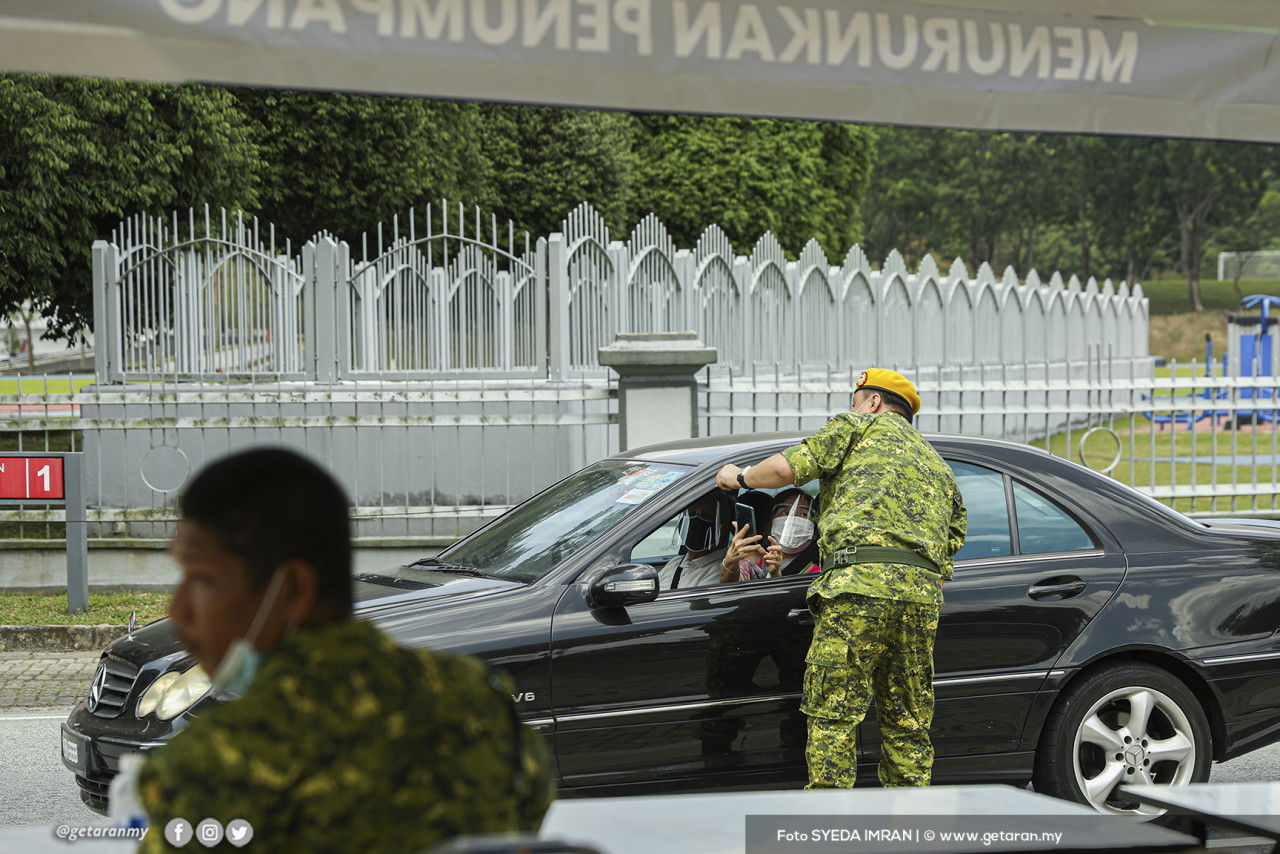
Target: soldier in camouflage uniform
338 740
892 522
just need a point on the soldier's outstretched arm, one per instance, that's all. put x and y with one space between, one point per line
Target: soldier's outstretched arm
770 474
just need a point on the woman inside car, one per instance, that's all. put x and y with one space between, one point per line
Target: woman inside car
793 546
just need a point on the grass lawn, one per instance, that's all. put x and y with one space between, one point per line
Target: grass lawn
50 609
1164 375
52 384
1182 458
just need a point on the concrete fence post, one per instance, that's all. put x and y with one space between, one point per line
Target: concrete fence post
319 264
657 385
343 355
743 278
77 533
540 355
106 321
557 308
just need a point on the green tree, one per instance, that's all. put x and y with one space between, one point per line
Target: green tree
345 163
1209 183
79 155
1033 199
1251 233
904 207
982 196
795 179
1129 204
1005 190
545 161
1116 203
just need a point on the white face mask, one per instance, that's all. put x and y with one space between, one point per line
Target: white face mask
793 533
240 662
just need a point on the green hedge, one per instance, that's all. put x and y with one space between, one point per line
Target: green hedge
1169 296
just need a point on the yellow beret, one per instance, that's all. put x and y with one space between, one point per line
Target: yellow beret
879 379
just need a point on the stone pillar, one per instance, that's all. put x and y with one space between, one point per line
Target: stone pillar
657 391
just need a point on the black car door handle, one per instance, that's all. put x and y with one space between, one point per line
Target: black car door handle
800 616
1057 588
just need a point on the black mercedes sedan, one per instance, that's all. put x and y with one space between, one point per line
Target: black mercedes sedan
1091 636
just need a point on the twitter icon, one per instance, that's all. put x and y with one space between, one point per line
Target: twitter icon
239 832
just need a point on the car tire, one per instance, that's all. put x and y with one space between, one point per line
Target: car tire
1088 749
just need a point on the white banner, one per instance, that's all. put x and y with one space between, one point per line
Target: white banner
1164 67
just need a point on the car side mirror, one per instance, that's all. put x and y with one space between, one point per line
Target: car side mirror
628 584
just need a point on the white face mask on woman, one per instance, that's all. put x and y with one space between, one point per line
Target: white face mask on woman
793 533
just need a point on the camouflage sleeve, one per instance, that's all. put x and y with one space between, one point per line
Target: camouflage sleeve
821 454
535 785
540 784
956 529
175 782
158 793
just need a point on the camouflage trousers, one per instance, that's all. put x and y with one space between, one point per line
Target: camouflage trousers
866 648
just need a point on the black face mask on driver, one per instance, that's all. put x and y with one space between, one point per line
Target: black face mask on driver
698 534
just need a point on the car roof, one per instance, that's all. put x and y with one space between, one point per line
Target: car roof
705 450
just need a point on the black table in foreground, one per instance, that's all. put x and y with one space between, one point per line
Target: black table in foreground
1248 807
953 819
46 839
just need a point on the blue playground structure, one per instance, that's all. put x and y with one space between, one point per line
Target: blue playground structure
1255 355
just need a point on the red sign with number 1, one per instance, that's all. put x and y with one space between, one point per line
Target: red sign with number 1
31 477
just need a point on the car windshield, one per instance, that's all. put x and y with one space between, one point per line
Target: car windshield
527 542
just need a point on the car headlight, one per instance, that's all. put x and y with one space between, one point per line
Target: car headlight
173 693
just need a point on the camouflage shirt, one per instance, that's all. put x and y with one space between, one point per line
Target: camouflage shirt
881 484
347 742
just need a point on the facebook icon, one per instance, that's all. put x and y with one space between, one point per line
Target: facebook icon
178 832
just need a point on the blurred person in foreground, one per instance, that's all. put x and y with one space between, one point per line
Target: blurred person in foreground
334 738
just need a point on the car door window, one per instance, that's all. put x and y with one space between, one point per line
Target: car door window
678 567
984 498
660 546
1043 526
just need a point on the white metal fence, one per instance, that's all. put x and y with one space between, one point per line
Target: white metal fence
438 294
444 292
762 309
428 461
196 295
1204 440
447 367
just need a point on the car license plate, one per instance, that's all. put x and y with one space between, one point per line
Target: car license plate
75 752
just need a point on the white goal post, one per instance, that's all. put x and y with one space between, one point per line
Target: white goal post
1255 264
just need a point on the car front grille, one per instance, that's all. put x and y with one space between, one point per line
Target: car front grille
94 792
111 686
94 788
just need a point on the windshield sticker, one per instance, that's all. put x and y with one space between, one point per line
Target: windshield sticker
656 480
632 475
635 496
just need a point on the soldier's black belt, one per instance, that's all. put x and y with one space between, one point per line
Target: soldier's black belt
880 554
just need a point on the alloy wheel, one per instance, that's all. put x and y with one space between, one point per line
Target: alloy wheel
1132 735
